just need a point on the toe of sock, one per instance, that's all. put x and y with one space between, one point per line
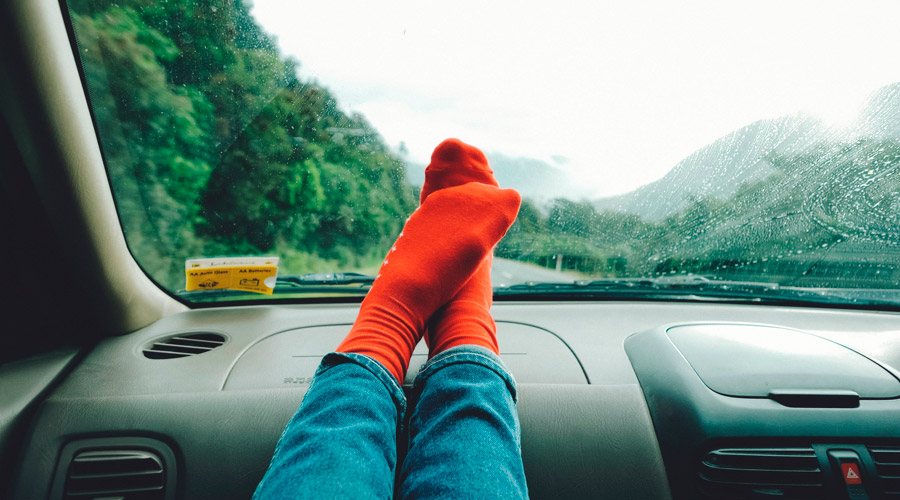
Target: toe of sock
452 152
454 163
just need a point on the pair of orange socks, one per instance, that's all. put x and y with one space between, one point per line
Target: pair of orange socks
435 280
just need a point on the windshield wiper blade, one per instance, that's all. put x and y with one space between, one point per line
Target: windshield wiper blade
620 284
320 279
698 288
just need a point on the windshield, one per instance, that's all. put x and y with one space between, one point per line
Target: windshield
713 150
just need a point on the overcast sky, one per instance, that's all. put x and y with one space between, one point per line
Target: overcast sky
622 89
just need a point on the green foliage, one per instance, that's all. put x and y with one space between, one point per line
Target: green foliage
215 147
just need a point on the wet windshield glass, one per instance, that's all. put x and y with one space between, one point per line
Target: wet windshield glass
740 150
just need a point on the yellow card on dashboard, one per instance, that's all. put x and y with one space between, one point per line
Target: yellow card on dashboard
248 274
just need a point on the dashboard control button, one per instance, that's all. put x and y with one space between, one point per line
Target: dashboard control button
850 467
851 473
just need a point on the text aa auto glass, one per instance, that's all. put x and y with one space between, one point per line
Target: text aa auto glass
741 151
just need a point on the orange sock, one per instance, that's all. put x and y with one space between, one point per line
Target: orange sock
438 251
455 163
466 319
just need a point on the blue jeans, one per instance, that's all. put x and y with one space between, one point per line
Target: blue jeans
462 432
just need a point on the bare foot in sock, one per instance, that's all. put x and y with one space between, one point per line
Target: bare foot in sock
462 216
466 319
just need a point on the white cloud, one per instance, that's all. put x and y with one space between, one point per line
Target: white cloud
624 89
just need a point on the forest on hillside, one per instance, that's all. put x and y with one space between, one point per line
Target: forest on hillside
215 147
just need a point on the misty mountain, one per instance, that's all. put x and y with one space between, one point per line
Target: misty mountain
719 169
744 156
880 117
788 201
535 179
415 173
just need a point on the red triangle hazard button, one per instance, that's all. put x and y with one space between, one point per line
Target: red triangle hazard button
851 473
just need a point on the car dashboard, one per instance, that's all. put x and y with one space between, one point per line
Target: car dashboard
616 400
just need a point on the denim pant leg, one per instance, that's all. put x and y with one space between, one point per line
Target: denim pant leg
464 436
342 442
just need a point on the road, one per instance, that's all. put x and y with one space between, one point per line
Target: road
509 272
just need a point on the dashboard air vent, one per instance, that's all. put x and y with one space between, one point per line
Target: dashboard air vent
179 346
887 465
744 473
120 474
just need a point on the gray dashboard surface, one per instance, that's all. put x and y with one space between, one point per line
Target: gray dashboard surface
291 357
744 360
576 437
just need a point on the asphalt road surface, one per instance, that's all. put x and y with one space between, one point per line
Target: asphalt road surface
509 272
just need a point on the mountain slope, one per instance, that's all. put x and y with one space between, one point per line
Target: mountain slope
744 156
719 169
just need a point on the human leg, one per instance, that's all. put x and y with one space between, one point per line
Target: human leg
464 428
341 443
439 249
464 436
